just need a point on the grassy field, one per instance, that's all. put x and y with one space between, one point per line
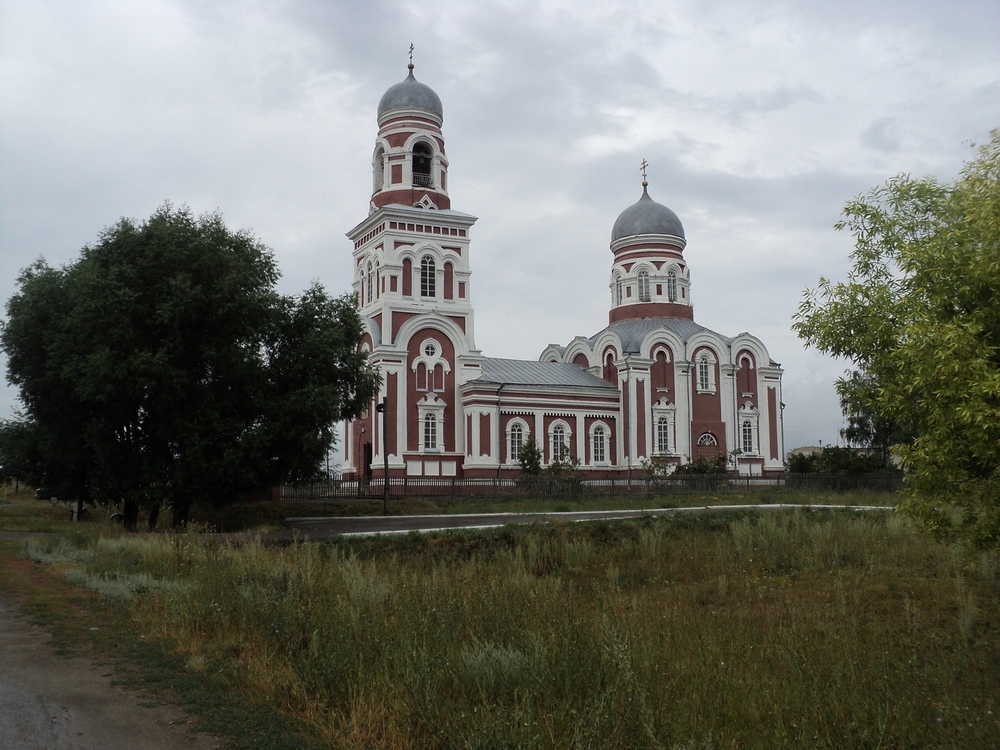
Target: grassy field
803 629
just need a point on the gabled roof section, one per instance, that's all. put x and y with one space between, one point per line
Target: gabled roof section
529 372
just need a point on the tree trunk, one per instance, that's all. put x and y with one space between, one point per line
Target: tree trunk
180 514
130 510
154 516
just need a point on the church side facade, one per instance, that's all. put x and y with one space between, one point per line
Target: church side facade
652 383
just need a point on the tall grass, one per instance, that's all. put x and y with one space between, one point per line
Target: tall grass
799 629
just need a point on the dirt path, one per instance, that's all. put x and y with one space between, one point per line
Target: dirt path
52 702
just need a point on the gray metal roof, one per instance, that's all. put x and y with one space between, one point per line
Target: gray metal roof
410 94
632 332
646 216
527 372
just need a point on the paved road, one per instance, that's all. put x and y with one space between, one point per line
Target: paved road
321 528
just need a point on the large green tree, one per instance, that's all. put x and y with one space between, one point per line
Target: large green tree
163 366
919 315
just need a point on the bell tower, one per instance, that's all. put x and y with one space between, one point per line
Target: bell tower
412 283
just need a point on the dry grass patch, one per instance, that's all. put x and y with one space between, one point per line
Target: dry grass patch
795 629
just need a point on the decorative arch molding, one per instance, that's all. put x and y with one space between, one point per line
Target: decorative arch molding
746 342
577 348
373 331
415 252
607 339
424 136
659 338
437 322
710 340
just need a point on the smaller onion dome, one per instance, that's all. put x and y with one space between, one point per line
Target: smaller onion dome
646 216
410 94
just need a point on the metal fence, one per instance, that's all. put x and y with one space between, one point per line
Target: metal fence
416 487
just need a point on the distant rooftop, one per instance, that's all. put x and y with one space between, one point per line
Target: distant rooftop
531 372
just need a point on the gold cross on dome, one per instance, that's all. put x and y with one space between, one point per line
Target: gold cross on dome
642 168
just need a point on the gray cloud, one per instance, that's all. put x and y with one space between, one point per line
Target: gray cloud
759 122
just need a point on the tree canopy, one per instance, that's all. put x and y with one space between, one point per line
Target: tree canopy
163 366
919 317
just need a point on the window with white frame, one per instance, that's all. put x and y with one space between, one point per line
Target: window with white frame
707 439
618 289
515 442
428 277
560 445
749 429
430 413
664 416
430 432
672 285
706 373
662 435
599 443
746 432
643 285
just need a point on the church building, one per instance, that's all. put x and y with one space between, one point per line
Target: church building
652 383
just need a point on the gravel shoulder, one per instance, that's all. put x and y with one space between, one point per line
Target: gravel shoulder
53 702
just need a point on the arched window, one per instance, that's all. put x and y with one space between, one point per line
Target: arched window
704 373
747 434
618 288
376 281
430 432
422 159
378 169
663 435
516 443
644 286
560 451
707 439
368 291
672 285
600 455
428 277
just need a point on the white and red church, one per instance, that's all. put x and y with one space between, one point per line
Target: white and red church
652 383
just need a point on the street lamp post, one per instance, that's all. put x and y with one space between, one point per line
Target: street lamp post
383 409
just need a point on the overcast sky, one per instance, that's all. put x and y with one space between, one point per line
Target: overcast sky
759 121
